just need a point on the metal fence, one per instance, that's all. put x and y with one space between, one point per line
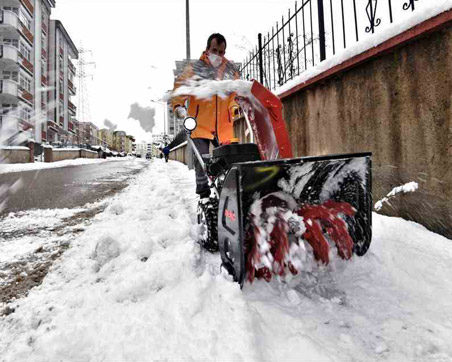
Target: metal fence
315 31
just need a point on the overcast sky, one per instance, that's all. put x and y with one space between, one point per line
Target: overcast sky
134 44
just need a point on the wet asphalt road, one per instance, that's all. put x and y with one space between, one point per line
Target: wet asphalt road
69 187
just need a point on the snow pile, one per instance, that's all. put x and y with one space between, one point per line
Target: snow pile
20 167
409 187
23 148
205 88
24 227
135 286
424 11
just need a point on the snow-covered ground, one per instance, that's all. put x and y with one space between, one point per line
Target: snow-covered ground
135 286
19 167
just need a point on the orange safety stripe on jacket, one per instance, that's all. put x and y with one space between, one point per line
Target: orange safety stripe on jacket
214 115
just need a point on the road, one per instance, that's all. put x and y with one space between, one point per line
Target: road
32 238
68 187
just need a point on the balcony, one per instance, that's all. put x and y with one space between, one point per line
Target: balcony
44 135
72 107
28 6
43 53
61 96
27 65
45 29
52 125
9 91
71 66
26 33
9 55
8 19
61 51
62 121
71 127
26 95
71 87
43 80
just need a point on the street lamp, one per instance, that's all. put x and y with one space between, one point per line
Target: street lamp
164 113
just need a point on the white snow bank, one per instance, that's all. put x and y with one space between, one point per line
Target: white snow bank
28 223
424 11
19 167
135 286
23 148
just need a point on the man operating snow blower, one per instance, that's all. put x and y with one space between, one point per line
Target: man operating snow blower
268 213
214 116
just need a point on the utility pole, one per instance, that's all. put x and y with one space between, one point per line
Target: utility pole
84 114
187 21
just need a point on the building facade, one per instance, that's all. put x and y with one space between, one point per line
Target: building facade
36 73
61 116
119 141
89 134
106 138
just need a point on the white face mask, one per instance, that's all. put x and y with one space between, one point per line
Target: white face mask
215 60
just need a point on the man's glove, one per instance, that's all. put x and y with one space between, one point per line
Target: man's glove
181 112
235 112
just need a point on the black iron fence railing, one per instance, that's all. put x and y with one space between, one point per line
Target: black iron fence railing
315 31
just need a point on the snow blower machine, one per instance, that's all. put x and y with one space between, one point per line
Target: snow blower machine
271 214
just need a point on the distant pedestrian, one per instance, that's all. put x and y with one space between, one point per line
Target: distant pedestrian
166 151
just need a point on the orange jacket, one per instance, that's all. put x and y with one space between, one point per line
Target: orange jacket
214 115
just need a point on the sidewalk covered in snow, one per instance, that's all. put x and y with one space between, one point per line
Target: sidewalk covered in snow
136 286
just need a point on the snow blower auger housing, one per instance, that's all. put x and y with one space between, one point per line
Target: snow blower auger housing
273 209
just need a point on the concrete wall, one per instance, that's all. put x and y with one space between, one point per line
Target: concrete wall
15 155
53 155
88 154
60 155
397 105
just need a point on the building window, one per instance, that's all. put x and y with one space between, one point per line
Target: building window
43 68
45 17
25 19
6 108
60 108
11 75
43 41
61 86
25 51
11 42
25 114
60 63
9 8
25 82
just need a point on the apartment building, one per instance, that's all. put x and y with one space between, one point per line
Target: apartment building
119 141
36 72
89 134
129 141
106 137
61 121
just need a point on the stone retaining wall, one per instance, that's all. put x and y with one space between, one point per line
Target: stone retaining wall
397 105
